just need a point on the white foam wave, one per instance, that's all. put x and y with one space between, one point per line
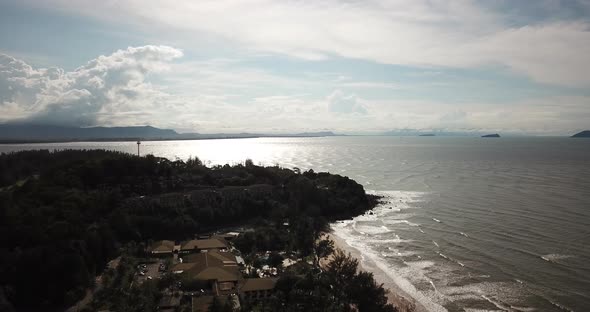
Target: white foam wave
434 287
443 256
392 222
436 220
361 244
371 230
498 304
555 257
561 306
463 234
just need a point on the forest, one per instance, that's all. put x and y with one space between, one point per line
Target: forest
65 214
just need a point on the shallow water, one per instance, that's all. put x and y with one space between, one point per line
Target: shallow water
467 224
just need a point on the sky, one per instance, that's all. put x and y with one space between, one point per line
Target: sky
510 66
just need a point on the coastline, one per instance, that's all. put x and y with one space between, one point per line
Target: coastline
396 295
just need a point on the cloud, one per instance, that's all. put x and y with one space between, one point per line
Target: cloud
213 96
89 95
338 102
464 33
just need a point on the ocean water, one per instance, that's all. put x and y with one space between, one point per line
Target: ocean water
466 224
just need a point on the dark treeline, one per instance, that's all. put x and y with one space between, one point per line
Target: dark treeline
64 215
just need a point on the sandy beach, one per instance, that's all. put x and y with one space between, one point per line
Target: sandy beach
403 301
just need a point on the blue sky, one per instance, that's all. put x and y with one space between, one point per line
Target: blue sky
289 66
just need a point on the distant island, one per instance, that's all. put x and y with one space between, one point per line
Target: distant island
427 135
495 135
127 233
583 134
32 133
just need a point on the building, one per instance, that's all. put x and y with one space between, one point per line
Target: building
162 248
203 245
253 289
217 272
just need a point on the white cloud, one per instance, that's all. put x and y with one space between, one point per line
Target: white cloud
89 95
408 32
116 90
338 102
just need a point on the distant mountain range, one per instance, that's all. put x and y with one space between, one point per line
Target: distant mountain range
45 133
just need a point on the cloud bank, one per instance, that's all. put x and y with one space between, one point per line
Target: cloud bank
116 89
425 33
104 88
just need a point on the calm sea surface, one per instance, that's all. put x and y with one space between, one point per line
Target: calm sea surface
467 224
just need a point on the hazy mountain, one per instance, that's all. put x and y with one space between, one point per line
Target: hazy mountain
33 133
316 134
583 134
48 133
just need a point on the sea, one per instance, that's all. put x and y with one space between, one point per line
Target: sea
465 223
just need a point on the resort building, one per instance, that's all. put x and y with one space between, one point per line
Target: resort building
203 245
253 289
162 248
217 272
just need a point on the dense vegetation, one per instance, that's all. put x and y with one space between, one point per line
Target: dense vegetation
64 215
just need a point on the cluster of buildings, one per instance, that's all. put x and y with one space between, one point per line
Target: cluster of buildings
208 270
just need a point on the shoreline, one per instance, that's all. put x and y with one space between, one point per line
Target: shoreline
395 294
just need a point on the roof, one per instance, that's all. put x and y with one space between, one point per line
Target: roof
162 246
213 258
253 284
181 267
210 266
212 243
216 273
226 257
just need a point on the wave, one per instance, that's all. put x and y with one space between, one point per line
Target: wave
560 306
555 257
500 305
385 270
428 277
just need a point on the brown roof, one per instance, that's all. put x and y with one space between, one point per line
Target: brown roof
226 257
162 246
213 258
212 243
182 267
253 284
216 273
210 266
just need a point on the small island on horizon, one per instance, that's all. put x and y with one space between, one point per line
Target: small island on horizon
495 135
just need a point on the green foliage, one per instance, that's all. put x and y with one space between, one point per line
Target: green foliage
64 215
221 305
339 288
